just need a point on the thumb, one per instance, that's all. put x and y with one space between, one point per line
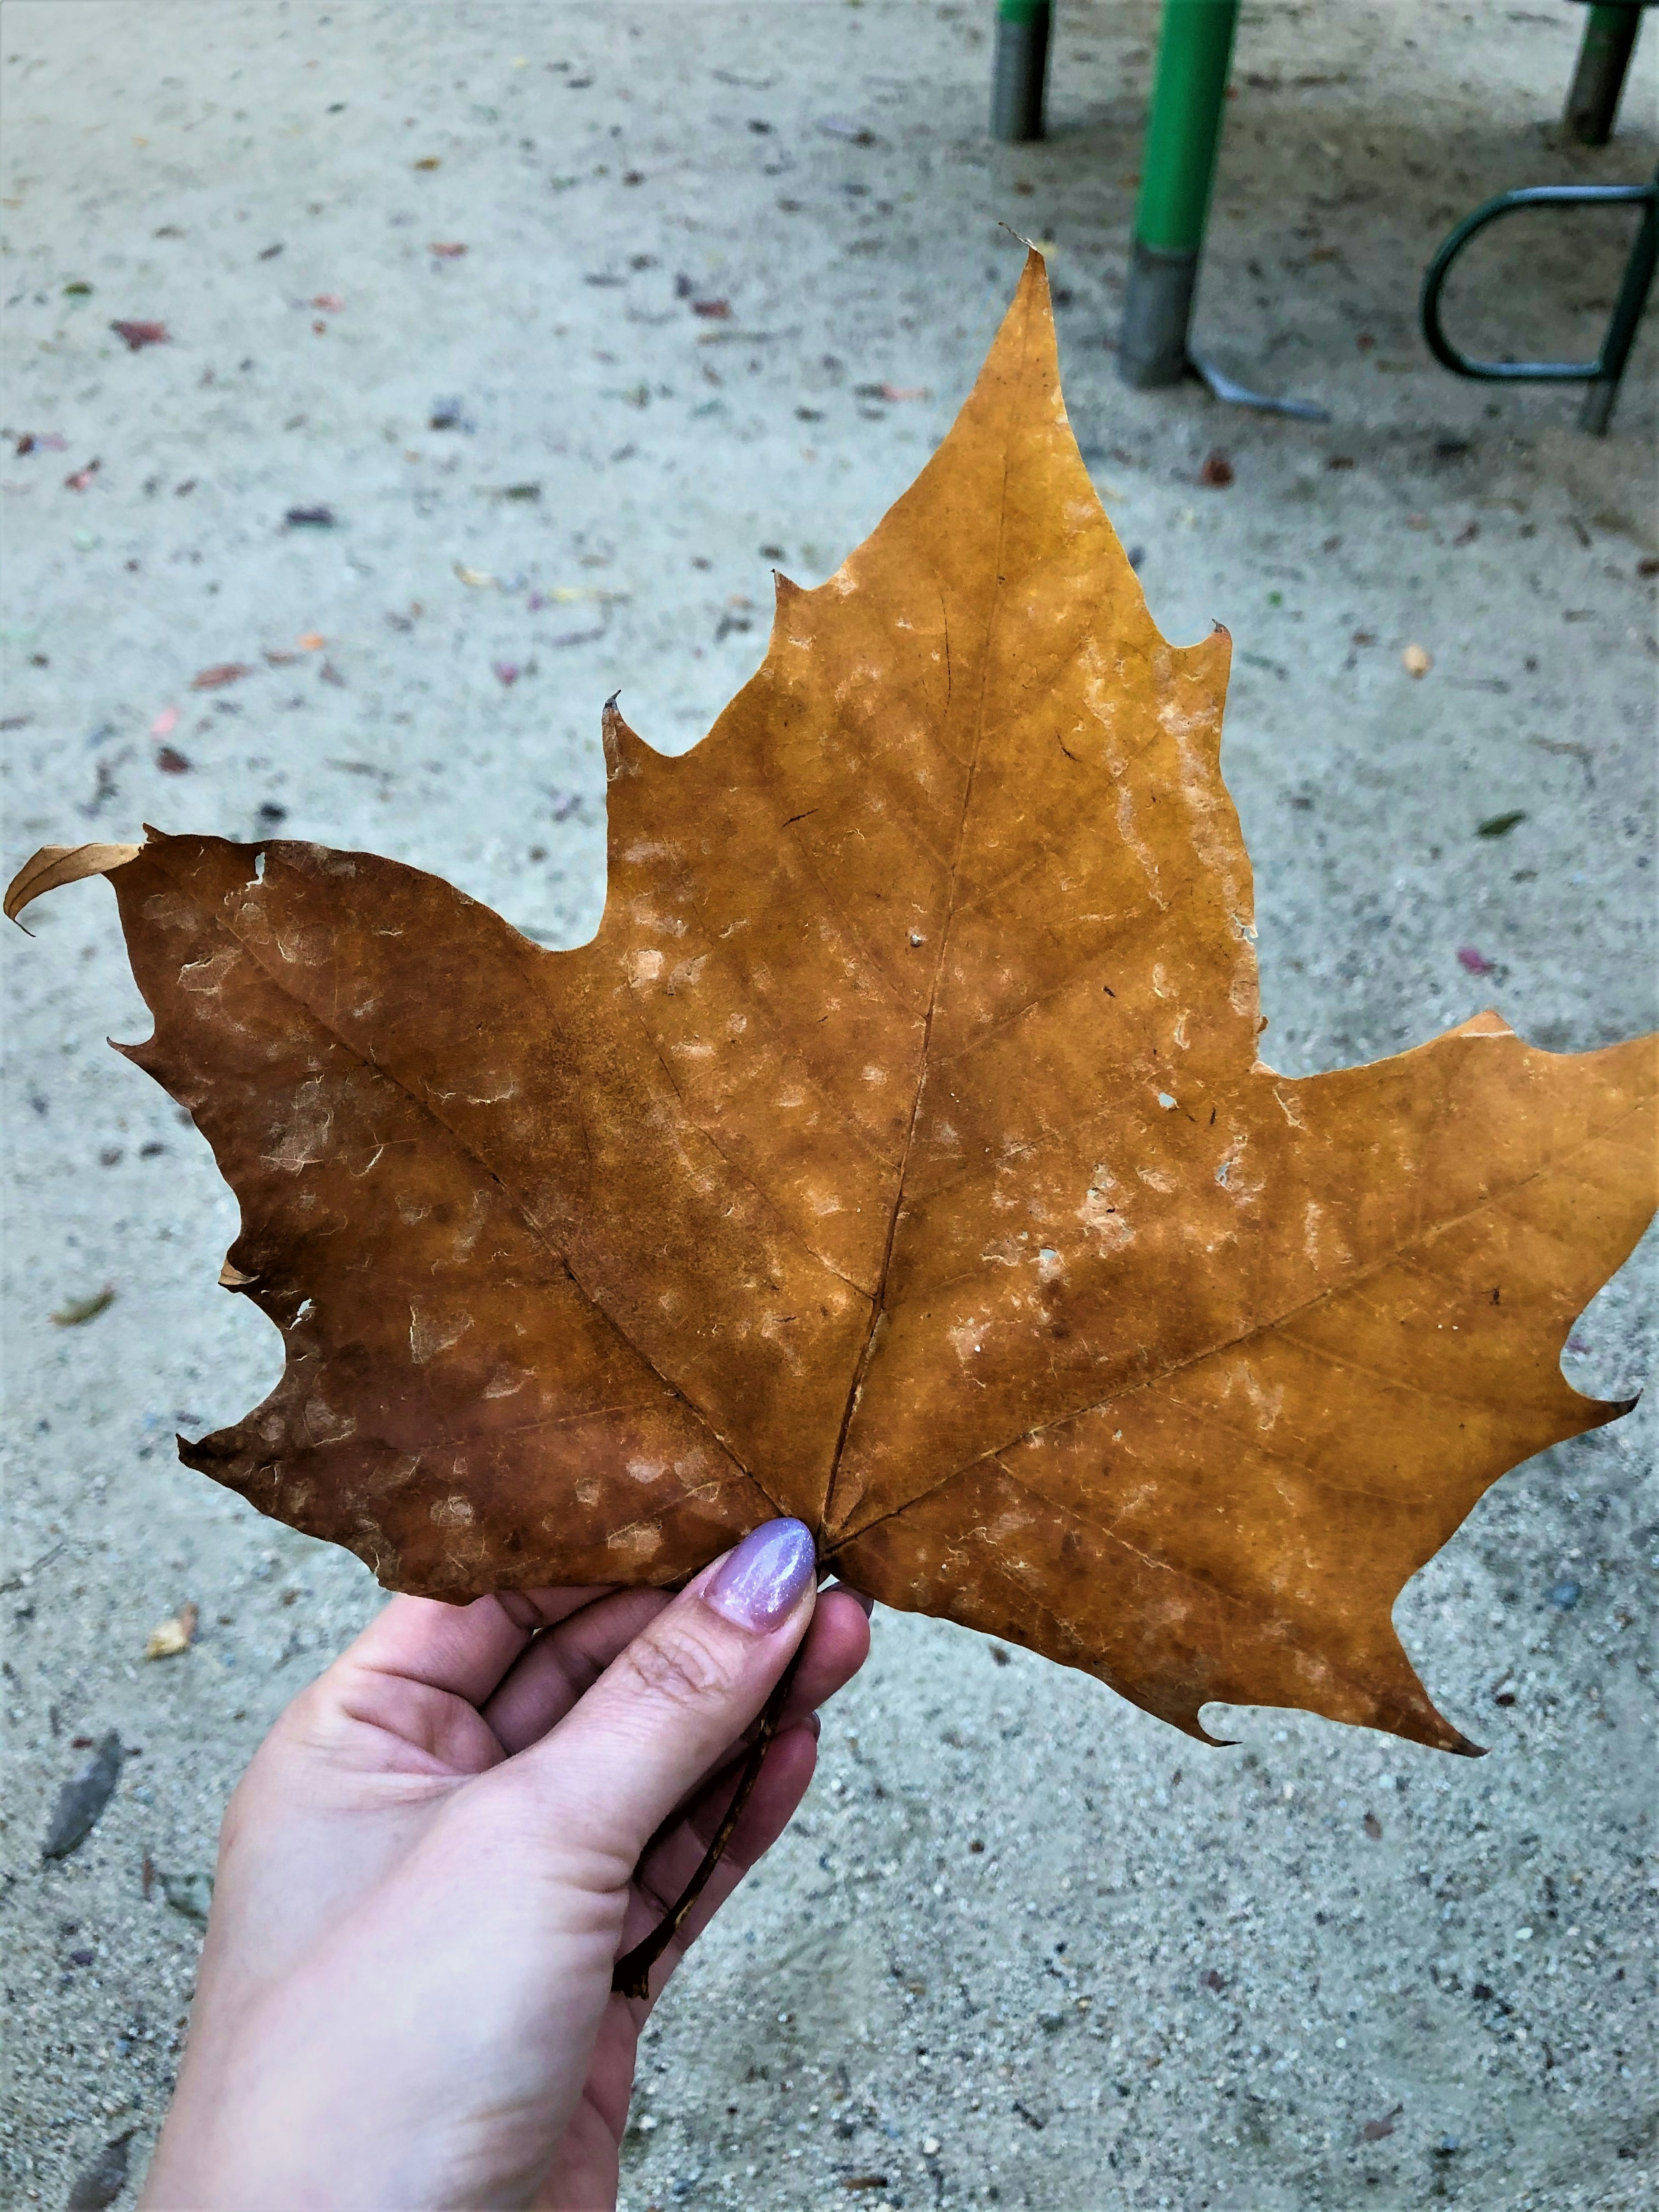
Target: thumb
677 1698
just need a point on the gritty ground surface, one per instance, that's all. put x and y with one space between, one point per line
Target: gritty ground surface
1024 1945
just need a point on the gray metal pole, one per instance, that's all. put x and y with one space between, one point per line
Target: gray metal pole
1604 63
1020 73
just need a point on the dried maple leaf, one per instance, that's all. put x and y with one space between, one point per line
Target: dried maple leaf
897 1155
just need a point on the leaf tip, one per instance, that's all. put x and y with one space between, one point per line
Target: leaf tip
55 864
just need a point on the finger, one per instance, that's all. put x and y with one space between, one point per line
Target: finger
563 1664
462 1649
672 1701
835 1647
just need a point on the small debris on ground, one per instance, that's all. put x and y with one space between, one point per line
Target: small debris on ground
189 1893
310 518
137 336
1415 661
221 673
98 2185
83 1798
174 1635
1217 471
84 1309
1476 963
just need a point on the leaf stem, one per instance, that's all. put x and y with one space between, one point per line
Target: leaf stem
631 1976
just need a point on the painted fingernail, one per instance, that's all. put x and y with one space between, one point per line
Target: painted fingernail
761 1581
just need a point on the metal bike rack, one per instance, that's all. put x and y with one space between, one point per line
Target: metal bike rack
1602 374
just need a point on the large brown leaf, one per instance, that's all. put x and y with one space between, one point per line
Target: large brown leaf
897 1155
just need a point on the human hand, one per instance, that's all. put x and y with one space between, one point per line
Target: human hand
428 1873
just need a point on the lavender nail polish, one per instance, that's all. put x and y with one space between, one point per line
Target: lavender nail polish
760 1581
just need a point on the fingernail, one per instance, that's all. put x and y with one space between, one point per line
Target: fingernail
761 1581
866 1604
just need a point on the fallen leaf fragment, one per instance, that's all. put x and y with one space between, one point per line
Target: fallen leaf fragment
80 1310
83 1798
713 311
221 673
54 866
172 762
1415 661
1499 825
1476 963
897 1154
426 162
98 2185
174 1635
137 336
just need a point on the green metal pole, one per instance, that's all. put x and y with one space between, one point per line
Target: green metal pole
1020 72
1599 79
1184 134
